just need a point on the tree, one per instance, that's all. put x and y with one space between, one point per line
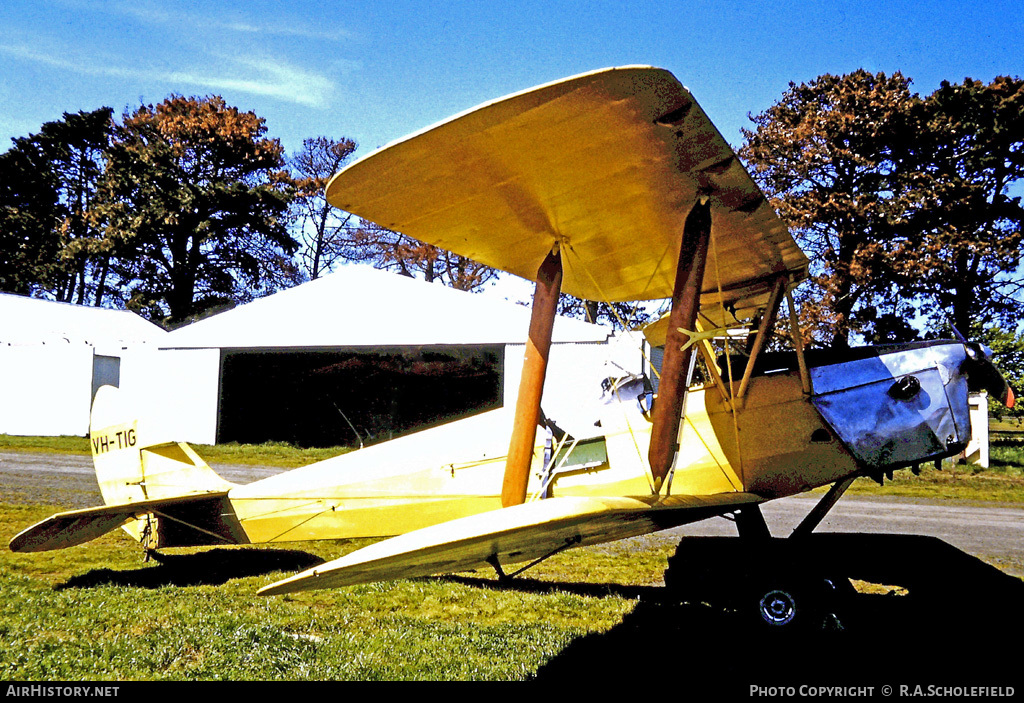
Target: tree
330 235
624 315
830 156
29 245
76 149
963 246
48 182
322 230
904 203
193 203
1008 352
394 251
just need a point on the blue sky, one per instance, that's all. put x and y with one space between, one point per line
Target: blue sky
376 70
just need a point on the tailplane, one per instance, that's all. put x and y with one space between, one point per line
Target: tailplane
161 493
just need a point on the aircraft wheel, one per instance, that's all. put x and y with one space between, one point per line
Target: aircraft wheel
779 607
808 603
788 605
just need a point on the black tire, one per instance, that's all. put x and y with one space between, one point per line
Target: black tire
838 603
772 585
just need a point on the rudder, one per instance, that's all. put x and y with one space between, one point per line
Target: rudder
134 465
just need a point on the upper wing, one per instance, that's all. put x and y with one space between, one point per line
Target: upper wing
515 534
607 163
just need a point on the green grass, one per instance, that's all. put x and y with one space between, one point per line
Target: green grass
52 628
277 454
951 483
1002 481
63 445
98 613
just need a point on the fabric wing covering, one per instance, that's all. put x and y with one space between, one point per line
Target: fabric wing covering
608 164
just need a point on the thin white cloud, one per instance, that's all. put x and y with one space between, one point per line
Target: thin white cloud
187 16
268 77
293 31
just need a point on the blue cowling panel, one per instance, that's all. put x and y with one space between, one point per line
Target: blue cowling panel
897 408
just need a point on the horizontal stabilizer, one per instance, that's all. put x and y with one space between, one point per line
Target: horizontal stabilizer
76 527
509 535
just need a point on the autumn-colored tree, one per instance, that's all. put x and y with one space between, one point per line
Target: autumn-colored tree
905 204
194 202
323 231
48 181
962 248
394 251
829 155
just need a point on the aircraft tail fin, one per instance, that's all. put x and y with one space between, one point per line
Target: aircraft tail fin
134 465
163 492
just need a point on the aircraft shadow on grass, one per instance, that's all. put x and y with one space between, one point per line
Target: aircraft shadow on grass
946 616
950 620
210 568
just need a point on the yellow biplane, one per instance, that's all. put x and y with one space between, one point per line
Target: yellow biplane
610 186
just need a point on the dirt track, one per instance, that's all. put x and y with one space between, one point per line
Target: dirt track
68 480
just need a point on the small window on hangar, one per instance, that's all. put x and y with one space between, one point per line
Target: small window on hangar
355 396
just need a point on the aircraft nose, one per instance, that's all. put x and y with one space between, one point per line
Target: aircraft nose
982 375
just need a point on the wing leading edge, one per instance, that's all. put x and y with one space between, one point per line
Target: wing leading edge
509 535
606 164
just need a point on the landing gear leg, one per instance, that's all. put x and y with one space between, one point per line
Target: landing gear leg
496 565
820 510
751 525
775 584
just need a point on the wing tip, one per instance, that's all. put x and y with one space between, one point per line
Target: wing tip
20 544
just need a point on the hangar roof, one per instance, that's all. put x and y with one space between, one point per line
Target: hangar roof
362 306
25 320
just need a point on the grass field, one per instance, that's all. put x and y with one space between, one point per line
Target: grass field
1002 481
98 613
588 617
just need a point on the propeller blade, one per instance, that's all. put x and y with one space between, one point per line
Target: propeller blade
982 375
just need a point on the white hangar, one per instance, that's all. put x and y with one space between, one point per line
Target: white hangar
53 357
355 356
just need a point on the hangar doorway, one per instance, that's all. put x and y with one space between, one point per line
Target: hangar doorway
347 397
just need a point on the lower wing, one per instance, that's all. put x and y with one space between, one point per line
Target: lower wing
515 534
